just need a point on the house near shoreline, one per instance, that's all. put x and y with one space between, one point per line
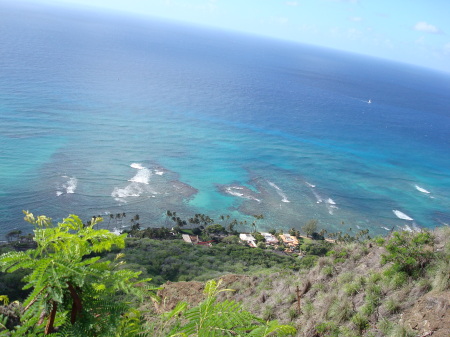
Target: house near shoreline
248 238
194 240
290 240
270 239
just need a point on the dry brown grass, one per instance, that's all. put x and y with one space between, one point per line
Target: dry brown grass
355 286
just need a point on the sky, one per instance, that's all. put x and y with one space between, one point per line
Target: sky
409 31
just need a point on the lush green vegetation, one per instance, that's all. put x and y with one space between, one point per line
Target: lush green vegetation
71 292
77 283
176 260
74 293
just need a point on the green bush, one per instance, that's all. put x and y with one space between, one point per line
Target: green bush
319 248
328 329
308 261
360 322
441 275
392 306
409 252
351 289
327 270
395 279
72 290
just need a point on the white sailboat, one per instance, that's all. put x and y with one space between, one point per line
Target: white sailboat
369 101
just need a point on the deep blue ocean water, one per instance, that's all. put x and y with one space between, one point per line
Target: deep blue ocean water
107 113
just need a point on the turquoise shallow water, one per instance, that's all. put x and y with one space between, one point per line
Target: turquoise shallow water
104 114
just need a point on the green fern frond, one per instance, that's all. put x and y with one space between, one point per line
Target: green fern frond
273 328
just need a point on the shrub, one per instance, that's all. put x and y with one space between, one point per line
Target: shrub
409 252
72 290
392 306
319 248
385 326
329 329
360 322
327 270
345 277
307 307
293 314
309 261
341 310
351 289
401 331
441 278
395 279
213 318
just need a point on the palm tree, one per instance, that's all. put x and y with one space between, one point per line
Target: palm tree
111 216
231 225
118 217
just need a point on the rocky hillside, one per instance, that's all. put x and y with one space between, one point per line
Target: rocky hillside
399 286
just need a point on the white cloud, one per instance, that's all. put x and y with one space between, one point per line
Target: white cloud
292 3
356 19
422 26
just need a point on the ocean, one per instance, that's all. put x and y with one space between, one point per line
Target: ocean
107 113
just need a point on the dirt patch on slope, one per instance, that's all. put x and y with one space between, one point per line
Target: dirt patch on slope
190 292
430 316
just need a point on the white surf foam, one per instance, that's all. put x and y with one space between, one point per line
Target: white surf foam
279 191
330 201
421 189
318 197
142 176
231 190
159 173
132 190
407 228
68 187
137 166
71 185
310 185
402 215
135 188
385 228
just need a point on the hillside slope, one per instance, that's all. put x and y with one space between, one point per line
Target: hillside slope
354 291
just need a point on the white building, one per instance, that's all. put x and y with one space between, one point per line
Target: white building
248 238
270 239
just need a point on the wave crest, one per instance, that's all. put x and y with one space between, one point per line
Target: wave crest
402 215
279 191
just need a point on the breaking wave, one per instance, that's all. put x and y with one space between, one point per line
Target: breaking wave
142 177
421 189
68 187
279 191
241 192
402 215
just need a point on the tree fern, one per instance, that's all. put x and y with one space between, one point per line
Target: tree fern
75 294
211 318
